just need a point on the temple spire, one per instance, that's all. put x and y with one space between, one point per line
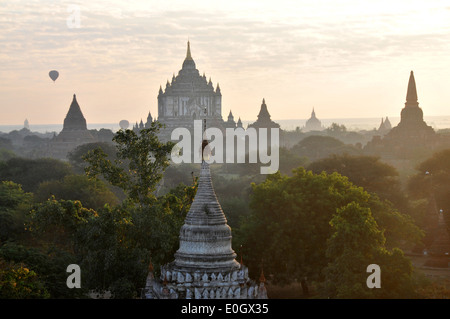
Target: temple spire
264 113
189 63
411 95
74 119
188 53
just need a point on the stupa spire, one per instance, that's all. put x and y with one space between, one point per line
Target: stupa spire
411 95
189 63
188 52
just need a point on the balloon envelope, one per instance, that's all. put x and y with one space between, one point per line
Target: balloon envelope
124 124
53 75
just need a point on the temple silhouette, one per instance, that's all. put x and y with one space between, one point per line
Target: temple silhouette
313 123
411 136
185 98
73 134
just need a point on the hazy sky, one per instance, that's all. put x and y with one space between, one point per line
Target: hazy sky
345 58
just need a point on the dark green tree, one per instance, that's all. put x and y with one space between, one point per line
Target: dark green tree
141 160
289 222
431 184
352 247
368 172
57 222
76 156
19 282
48 263
116 245
93 193
14 206
31 172
356 243
108 253
432 180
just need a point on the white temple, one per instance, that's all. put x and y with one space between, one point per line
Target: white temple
205 265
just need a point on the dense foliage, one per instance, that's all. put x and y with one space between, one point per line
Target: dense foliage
320 221
290 229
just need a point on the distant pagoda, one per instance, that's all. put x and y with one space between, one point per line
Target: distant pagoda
74 120
230 123
411 136
385 126
141 125
205 265
412 127
264 120
313 123
73 134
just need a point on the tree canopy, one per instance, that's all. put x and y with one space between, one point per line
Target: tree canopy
316 146
93 193
356 243
139 166
289 226
31 172
368 172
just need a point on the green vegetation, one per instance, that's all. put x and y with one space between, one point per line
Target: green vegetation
139 166
70 218
318 223
355 243
31 172
290 229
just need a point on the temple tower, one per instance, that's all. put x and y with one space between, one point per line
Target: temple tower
149 120
73 134
264 120
385 126
74 120
411 123
205 265
412 136
186 96
230 123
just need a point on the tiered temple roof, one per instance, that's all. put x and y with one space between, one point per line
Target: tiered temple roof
264 120
186 96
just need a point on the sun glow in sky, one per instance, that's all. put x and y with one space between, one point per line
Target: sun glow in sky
344 58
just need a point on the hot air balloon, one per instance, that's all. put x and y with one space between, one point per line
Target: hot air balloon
53 75
124 124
